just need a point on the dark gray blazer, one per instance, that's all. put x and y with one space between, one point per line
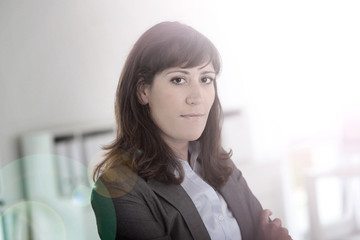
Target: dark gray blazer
128 207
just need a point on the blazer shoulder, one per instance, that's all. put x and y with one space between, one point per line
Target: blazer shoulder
126 208
236 173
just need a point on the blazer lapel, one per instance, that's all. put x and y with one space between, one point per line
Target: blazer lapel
177 197
235 198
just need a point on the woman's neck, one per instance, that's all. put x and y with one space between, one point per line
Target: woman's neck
180 148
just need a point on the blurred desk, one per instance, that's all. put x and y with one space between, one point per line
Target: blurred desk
334 203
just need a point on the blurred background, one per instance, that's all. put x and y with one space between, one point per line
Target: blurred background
289 88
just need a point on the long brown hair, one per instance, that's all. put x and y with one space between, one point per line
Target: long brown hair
138 144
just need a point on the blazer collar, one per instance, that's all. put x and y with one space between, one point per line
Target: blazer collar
177 197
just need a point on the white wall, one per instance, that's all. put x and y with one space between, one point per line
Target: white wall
60 60
293 66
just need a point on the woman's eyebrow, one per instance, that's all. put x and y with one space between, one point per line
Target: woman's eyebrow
207 72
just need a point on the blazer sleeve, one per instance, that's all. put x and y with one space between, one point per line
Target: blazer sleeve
130 214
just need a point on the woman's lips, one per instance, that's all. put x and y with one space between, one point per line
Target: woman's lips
192 116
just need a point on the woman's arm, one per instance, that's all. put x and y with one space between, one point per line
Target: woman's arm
258 222
271 230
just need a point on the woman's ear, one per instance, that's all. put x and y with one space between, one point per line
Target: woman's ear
143 92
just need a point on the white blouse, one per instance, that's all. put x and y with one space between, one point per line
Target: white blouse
211 206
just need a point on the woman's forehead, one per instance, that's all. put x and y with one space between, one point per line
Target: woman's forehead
203 68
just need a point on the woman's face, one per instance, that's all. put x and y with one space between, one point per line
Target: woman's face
180 100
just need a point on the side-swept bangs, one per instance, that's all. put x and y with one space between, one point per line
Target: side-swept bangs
175 45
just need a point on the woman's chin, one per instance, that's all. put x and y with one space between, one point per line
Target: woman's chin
193 137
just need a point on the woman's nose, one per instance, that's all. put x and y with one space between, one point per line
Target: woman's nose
194 95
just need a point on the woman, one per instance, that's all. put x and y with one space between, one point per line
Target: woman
166 175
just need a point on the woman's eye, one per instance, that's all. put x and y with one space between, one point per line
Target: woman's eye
178 80
207 80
